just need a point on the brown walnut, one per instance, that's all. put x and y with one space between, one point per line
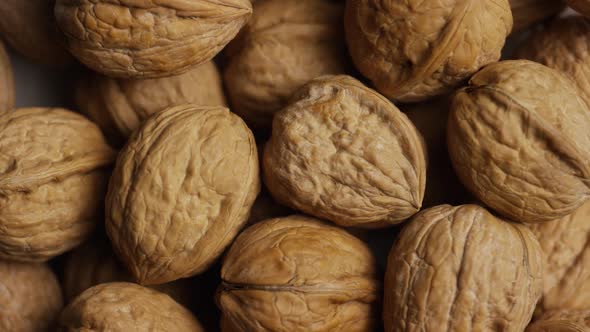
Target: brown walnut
562 321
581 6
528 12
6 82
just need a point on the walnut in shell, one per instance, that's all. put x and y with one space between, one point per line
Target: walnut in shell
297 274
462 269
122 307
519 139
528 12
414 50
182 188
562 321
6 82
148 39
53 179
342 152
581 6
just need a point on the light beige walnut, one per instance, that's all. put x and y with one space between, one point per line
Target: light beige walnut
462 269
122 307
562 321
181 190
148 39
519 139
30 296
416 49
6 82
342 152
53 178
581 6
528 12
298 274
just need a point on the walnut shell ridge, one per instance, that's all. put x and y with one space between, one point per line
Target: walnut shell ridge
7 95
562 321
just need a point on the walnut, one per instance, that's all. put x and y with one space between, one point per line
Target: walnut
344 153
173 208
463 269
519 139
30 296
414 50
528 12
122 306
286 44
148 39
297 274
562 321
52 181
581 6
6 82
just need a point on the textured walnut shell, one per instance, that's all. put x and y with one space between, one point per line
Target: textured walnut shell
120 106
581 6
562 321
52 181
462 269
519 139
148 39
285 44
342 152
6 82
414 50
182 188
529 12
123 307
297 274
30 296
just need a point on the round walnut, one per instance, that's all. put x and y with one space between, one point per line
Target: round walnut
6 82
120 106
414 50
297 274
286 44
463 269
122 307
519 139
172 208
562 321
581 6
342 152
148 39
30 296
52 181
528 12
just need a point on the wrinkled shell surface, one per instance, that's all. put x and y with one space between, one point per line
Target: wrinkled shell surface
582 6
122 307
285 44
519 139
463 269
529 12
52 181
562 321
182 188
413 50
342 152
297 274
6 81
146 38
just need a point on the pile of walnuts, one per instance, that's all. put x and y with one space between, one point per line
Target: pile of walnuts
297 165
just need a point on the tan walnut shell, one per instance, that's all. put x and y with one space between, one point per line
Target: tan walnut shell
298 274
120 106
285 44
53 179
519 139
148 39
342 152
581 6
462 269
122 307
528 12
30 296
562 321
414 50
182 188
7 95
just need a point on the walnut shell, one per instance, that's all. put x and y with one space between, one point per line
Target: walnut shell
6 82
120 106
122 306
462 269
562 321
182 188
342 152
414 50
148 39
30 296
519 139
52 181
528 12
285 44
297 274
581 6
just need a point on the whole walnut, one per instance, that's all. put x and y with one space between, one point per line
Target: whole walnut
285 44
562 321
53 177
122 306
148 39
6 82
120 106
519 139
298 274
459 268
581 6
528 12
342 152
416 49
181 190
